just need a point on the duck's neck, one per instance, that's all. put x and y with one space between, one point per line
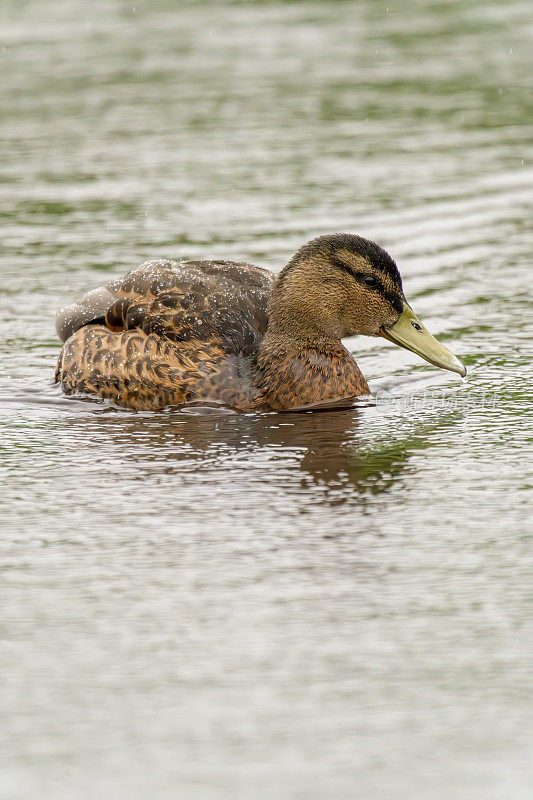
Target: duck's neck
304 368
301 361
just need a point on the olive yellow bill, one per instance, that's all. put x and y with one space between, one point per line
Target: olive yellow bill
409 332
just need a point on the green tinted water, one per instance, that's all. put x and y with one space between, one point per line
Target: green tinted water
333 605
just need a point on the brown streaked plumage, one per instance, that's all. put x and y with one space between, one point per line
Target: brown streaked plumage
172 333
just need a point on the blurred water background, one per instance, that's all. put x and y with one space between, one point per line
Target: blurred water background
213 606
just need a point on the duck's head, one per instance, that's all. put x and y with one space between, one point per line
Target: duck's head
342 285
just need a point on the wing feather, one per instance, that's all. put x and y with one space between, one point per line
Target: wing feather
182 301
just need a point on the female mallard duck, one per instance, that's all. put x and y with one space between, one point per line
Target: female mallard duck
172 333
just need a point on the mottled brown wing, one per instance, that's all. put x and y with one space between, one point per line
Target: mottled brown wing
182 301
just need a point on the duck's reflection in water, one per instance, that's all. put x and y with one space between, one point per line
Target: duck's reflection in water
327 448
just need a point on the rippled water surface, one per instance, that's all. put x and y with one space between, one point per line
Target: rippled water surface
333 605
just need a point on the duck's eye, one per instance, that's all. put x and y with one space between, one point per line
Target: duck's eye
371 281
